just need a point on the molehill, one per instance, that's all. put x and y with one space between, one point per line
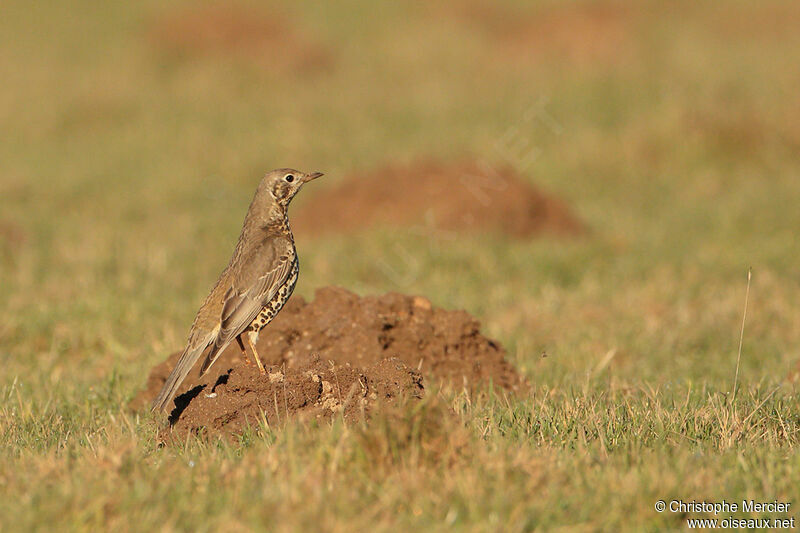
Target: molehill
338 355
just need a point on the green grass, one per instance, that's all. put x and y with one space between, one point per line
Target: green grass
125 173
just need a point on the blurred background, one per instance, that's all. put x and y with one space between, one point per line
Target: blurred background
667 133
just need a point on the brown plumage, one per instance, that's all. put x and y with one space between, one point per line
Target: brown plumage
253 287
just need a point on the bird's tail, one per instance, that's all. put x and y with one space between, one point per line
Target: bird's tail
213 354
188 358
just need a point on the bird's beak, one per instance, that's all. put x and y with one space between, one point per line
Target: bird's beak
313 176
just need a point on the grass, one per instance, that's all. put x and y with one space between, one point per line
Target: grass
125 172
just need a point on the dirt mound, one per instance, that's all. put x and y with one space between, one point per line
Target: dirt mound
582 33
226 30
466 196
338 354
243 397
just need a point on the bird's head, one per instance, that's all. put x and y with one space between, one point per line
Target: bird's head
283 183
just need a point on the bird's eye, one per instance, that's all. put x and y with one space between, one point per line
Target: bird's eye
289 178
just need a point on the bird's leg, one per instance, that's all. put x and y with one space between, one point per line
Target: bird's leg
244 351
251 342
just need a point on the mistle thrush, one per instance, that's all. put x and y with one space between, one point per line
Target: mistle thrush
253 287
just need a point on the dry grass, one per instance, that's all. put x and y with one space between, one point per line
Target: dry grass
124 175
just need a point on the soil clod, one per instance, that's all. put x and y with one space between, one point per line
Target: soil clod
338 355
228 31
466 197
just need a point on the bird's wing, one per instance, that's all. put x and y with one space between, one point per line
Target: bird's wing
259 277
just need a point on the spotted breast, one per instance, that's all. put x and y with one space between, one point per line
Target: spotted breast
274 306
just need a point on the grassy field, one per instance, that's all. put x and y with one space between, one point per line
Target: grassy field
671 128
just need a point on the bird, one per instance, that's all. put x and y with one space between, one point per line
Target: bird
252 289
